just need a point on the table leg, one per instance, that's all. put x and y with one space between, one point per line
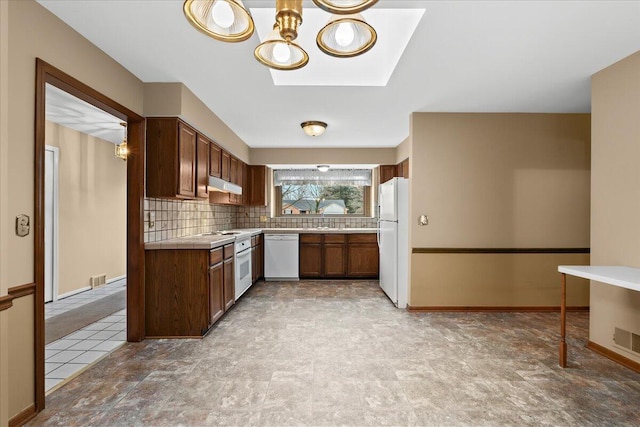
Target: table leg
563 324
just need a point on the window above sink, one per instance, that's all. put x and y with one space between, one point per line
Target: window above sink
338 192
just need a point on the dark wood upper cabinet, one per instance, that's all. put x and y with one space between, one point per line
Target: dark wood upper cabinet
171 159
225 166
202 172
256 183
403 169
215 160
387 172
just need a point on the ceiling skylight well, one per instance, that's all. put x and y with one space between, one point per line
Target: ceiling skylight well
395 27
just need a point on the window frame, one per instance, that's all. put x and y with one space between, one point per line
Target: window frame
366 201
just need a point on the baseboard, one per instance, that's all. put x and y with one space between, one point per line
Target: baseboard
616 357
505 309
72 293
24 416
115 279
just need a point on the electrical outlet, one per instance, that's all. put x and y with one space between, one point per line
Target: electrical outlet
152 220
22 225
263 218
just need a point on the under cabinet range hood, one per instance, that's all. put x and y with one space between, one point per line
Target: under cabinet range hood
217 184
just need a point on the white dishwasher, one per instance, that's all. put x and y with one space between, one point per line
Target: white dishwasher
280 257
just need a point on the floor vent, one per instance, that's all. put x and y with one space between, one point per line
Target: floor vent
96 281
627 340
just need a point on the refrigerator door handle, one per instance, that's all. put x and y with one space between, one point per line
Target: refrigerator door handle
378 236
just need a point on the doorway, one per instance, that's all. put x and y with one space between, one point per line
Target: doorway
52 159
46 73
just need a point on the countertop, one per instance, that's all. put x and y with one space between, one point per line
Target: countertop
318 230
214 241
191 242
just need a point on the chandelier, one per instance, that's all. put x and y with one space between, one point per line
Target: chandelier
345 35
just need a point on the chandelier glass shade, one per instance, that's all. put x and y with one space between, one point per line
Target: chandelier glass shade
344 7
280 54
224 20
346 36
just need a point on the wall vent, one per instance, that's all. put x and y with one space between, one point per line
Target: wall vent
627 340
99 280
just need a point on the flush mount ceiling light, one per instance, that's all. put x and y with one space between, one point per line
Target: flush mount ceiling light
344 7
313 128
323 168
121 150
346 36
342 37
224 20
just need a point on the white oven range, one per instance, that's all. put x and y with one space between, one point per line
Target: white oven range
242 262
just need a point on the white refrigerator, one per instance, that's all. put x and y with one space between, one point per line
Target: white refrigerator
393 239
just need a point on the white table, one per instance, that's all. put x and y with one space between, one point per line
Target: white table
623 277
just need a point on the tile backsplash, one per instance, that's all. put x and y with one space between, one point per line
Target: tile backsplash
249 217
178 218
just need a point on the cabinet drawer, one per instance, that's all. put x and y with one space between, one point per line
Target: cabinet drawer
335 238
215 256
228 251
363 238
311 238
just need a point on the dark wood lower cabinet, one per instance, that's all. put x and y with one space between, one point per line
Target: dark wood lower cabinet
257 258
334 255
216 293
310 256
186 291
229 277
338 256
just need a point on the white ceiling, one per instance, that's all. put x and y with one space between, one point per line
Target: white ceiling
464 56
67 110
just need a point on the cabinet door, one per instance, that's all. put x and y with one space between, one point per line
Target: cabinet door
335 257
229 284
215 160
405 169
387 172
225 166
362 260
257 185
202 172
187 161
310 260
216 297
254 264
260 259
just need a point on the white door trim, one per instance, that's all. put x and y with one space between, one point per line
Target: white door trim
54 247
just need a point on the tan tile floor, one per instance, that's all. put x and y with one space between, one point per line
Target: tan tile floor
339 353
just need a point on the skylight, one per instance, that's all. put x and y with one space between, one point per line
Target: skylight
395 27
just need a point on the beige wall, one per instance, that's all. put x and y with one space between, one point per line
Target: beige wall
4 220
492 181
316 156
92 208
175 99
615 196
403 151
21 375
56 43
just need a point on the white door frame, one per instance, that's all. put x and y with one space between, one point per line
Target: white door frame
54 207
